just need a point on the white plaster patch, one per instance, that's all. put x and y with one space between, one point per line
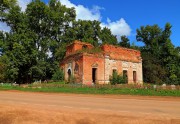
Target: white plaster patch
125 65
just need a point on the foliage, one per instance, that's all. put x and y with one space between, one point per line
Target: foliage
153 72
71 79
107 37
133 46
38 37
34 35
58 75
124 42
160 57
94 50
117 79
2 70
87 31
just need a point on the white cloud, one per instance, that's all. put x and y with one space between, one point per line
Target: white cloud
118 28
84 13
23 4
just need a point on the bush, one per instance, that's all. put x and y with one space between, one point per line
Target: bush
117 79
58 75
72 80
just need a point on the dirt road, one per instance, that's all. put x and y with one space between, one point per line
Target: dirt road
30 108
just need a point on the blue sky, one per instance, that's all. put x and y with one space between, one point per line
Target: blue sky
137 13
123 17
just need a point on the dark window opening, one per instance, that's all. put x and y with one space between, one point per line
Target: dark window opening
114 71
84 47
125 75
94 75
76 68
134 76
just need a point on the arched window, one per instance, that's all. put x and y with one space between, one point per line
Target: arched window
69 74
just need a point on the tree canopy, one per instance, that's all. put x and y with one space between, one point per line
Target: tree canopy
124 42
36 42
160 57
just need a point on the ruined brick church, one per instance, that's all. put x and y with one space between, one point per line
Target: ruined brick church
87 66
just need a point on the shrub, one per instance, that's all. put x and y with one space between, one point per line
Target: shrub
117 79
72 79
58 75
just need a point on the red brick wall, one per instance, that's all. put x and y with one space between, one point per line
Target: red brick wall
116 57
90 60
121 53
78 74
76 46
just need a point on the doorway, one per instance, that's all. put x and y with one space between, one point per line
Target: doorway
94 75
69 75
134 76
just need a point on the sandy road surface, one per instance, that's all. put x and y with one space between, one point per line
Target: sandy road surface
29 108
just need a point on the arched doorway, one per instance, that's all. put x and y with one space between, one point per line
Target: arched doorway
69 75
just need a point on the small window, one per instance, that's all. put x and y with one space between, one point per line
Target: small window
134 76
114 71
125 75
69 75
76 68
84 47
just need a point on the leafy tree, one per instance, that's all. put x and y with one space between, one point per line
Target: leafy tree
3 66
107 37
90 31
160 58
38 37
32 32
124 42
87 31
58 75
178 50
153 72
117 78
134 46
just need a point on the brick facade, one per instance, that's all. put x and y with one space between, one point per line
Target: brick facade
91 67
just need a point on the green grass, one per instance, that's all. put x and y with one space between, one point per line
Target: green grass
101 89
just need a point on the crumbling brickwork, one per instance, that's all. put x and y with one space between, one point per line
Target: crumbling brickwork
88 67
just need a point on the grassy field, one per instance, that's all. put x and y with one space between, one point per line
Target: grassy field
146 90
